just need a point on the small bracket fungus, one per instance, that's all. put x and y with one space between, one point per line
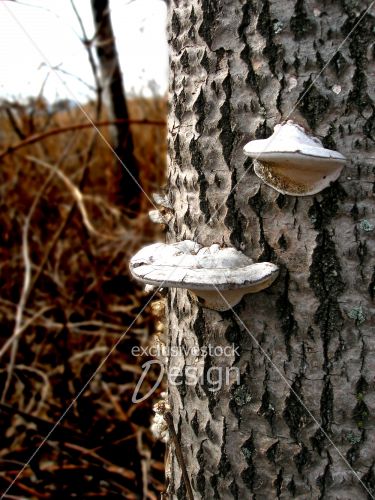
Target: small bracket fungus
161 200
219 277
159 427
149 289
158 218
293 162
163 215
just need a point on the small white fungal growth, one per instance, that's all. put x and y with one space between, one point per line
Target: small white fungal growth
158 218
164 214
161 200
293 162
159 426
292 83
219 277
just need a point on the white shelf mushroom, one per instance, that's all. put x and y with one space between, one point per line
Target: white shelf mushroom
158 218
220 277
293 162
162 215
161 200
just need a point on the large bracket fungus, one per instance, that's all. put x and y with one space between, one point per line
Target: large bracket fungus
293 162
219 277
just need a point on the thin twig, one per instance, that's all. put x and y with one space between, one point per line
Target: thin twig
145 463
25 287
22 328
180 457
90 53
13 121
61 130
28 283
77 195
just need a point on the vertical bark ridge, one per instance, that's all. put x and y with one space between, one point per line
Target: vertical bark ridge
289 325
234 220
259 205
238 68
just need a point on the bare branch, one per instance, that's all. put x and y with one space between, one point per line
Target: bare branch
77 195
25 288
61 130
13 121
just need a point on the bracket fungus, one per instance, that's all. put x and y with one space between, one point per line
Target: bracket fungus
163 215
293 162
157 217
219 277
161 200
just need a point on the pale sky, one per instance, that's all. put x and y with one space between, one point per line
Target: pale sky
37 33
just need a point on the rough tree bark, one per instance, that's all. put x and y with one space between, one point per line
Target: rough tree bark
127 180
237 69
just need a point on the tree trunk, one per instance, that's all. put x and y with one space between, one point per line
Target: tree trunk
237 69
126 178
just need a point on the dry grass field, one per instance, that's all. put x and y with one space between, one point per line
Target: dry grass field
66 298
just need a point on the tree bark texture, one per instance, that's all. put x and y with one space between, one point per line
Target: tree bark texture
112 83
237 69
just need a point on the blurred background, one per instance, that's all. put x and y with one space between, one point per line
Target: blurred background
82 148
